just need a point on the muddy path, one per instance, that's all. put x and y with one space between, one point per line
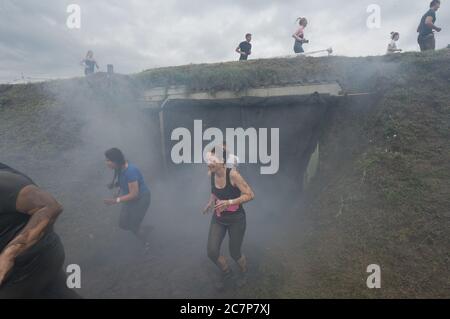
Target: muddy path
115 264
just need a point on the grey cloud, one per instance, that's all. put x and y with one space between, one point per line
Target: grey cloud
135 35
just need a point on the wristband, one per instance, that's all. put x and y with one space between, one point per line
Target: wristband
230 202
118 200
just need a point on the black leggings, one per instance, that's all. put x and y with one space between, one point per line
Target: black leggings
133 213
235 224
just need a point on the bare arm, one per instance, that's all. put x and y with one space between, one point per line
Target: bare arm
44 211
133 188
296 37
297 34
246 191
238 50
429 23
209 204
392 49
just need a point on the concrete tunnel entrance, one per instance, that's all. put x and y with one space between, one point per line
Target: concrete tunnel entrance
297 116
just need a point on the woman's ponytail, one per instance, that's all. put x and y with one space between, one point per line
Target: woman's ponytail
302 20
116 156
393 34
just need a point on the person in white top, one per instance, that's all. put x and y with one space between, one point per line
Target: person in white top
392 47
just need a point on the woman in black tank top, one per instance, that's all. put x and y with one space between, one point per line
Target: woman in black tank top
228 192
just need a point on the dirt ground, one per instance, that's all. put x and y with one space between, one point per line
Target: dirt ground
175 265
380 196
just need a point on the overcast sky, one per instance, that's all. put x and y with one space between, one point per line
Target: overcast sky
134 35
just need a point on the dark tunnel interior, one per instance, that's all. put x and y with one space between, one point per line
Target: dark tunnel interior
298 119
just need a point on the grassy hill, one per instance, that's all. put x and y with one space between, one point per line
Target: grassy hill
381 195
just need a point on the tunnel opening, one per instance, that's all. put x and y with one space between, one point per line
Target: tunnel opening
299 120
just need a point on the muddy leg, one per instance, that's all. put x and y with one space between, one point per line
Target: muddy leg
242 263
222 264
216 235
242 279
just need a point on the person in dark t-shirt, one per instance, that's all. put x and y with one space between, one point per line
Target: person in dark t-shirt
31 254
89 63
427 27
245 47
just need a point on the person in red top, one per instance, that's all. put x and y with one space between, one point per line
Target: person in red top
299 35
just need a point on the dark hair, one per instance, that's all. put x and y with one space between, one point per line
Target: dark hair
393 34
224 153
302 20
248 34
434 2
116 156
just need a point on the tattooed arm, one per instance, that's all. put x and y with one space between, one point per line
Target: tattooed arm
44 210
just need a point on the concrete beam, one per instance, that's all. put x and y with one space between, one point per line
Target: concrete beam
156 96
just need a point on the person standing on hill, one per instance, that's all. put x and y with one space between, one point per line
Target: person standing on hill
299 35
245 48
427 27
89 63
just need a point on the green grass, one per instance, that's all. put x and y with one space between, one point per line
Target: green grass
241 75
385 164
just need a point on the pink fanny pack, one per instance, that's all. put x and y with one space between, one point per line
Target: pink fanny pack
230 209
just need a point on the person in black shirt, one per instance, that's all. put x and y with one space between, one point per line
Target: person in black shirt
426 27
245 47
31 253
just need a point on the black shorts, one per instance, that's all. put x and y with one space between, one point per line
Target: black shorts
132 213
427 42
